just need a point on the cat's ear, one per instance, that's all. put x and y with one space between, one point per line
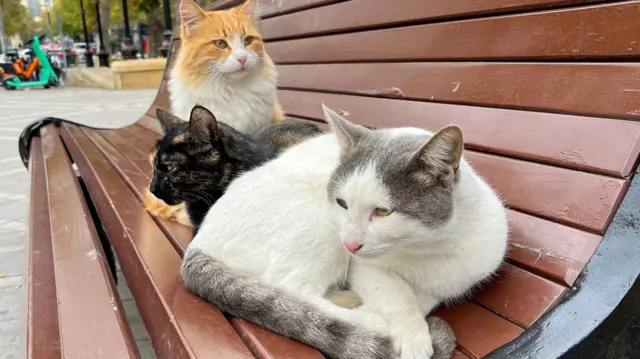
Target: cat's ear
348 133
248 8
203 125
167 120
190 15
441 155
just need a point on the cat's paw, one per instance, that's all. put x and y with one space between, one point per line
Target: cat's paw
413 340
345 298
151 202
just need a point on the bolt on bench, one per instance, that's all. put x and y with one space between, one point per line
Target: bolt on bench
547 93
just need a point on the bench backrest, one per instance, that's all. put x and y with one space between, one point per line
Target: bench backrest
543 90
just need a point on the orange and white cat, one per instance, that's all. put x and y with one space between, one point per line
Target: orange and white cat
222 66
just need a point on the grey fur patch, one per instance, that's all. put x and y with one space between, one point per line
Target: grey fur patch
443 338
415 191
248 298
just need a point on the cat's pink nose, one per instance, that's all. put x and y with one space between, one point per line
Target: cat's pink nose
241 59
353 247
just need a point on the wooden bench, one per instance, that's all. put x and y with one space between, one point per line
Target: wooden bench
547 93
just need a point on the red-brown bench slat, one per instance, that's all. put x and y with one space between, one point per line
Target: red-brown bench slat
162 89
271 7
540 301
134 174
555 193
551 192
222 4
551 250
591 32
275 7
85 291
162 99
261 344
130 167
267 345
349 15
586 143
478 331
459 355
561 87
150 122
126 138
519 296
180 324
42 331
504 303
147 137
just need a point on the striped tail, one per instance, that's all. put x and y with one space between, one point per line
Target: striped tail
272 308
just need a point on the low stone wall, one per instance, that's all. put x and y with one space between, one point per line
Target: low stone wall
122 75
138 74
91 77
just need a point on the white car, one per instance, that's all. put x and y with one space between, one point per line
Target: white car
80 49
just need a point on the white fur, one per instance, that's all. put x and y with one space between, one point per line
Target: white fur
240 227
242 98
277 224
404 270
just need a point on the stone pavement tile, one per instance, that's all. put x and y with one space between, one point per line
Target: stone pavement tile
135 321
7 197
138 329
13 260
18 186
12 226
146 350
11 300
13 211
10 334
13 238
14 172
123 288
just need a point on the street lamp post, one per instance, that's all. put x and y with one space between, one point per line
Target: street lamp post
103 56
128 51
3 44
88 56
46 6
168 33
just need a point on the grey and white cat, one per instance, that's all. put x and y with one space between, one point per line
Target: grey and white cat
396 213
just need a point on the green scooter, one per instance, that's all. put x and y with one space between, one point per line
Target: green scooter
47 76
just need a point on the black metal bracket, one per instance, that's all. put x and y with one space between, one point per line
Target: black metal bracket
33 130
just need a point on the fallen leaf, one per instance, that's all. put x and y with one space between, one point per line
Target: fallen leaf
344 113
2 275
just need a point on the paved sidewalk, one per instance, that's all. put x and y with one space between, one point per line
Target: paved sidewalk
17 109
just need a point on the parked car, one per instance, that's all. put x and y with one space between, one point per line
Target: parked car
80 49
59 55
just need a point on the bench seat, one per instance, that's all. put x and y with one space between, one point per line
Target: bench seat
549 102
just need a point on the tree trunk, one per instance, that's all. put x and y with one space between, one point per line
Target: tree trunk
105 17
155 28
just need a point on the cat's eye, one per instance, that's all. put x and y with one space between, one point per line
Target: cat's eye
221 44
341 203
383 212
248 40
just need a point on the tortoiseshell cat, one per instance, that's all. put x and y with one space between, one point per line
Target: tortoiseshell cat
195 161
